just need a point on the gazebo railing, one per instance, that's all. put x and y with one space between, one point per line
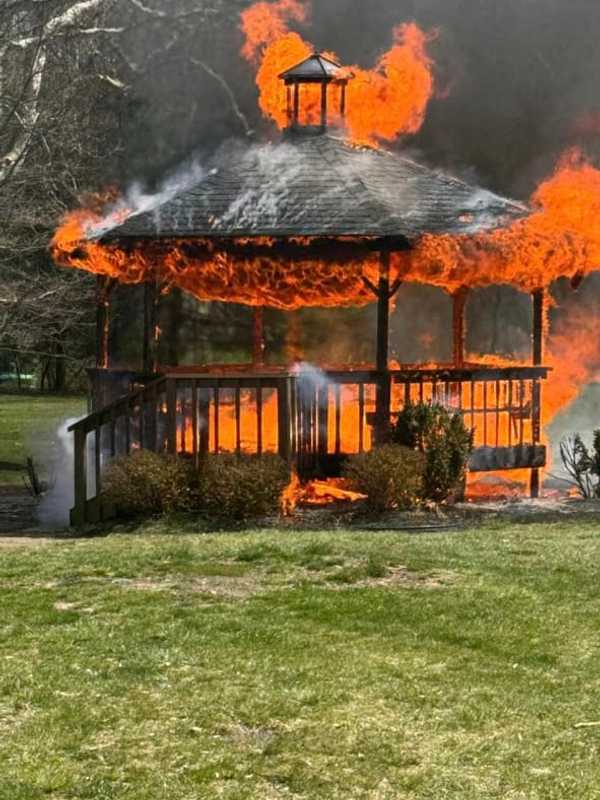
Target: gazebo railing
312 421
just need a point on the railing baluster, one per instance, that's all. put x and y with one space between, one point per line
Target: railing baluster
259 418
195 447
204 414
98 459
127 429
284 418
153 418
361 417
294 420
181 430
323 416
171 397
141 425
509 414
238 420
338 418
217 414
485 419
472 400
113 433
498 402
521 411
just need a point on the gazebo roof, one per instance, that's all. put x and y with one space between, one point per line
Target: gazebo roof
321 186
315 68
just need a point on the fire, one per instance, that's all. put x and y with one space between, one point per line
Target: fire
333 490
561 238
289 498
574 355
383 102
316 493
248 434
392 98
265 23
207 273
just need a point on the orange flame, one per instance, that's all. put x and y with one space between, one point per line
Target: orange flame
264 23
574 355
289 498
392 98
560 239
383 102
209 274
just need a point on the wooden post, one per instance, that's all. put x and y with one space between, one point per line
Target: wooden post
104 287
384 387
284 418
78 514
343 101
204 415
323 106
538 298
151 327
258 336
323 422
171 416
296 117
459 300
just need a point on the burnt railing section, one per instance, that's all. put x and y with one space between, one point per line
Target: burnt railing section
312 419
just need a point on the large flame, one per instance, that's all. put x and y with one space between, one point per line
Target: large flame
382 103
561 238
208 273
573 352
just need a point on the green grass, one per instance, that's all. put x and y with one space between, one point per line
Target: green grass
28 425
308 665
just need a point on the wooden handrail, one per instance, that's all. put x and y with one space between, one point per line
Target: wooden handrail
125 401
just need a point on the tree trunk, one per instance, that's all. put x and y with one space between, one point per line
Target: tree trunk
60 372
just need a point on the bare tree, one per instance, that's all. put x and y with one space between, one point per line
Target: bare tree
71 76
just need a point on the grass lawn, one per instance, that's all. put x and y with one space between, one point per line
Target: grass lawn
309 665
28 425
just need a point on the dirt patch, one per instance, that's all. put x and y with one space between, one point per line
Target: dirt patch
17 510
31 541
399 577
393 578
64 606
246 737
219 587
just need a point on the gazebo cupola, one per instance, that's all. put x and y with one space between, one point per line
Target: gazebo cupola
309 91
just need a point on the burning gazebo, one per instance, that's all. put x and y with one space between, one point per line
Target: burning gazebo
312 220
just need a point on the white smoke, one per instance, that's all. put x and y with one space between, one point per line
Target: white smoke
266 200
310 376
53 510
137 200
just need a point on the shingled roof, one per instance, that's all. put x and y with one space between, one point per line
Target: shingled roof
320 186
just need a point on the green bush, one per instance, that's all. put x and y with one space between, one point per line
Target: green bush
390 476
446 442
241 487
148 483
